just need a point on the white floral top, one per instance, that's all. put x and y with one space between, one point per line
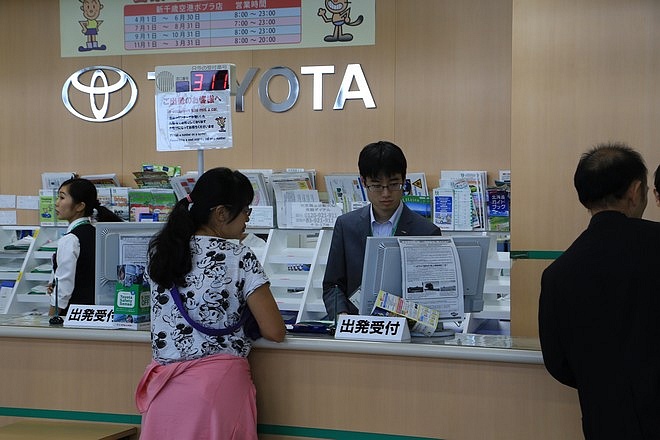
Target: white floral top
224 275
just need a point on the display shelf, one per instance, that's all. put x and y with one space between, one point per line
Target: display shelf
9 275
498 260
313 307
292 259
5 255
293 256
20 300
43 255
500 312
288 281
32 298
40 276
497 285
12 261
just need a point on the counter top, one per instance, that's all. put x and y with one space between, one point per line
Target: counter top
494 348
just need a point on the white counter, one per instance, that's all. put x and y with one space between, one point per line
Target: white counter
470 347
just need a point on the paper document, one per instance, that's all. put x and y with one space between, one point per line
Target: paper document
431 274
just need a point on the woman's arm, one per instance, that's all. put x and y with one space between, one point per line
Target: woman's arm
265 311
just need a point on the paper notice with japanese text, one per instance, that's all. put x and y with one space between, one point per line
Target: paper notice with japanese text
431 274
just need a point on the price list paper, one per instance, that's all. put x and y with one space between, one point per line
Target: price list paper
211 24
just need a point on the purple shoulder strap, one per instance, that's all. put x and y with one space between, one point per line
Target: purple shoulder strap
176 296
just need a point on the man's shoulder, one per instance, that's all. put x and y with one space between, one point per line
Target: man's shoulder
355 214
635 233
647 225
419 225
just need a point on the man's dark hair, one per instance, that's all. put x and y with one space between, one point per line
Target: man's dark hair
605 173
657 179
382 158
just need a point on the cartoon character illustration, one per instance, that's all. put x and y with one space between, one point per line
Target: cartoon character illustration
213 267
340 15
161 298
222 122
91 10
214 306
183 339
249 263
158 341
193 280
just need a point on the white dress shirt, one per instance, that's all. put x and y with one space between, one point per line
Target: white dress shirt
387 228
68 250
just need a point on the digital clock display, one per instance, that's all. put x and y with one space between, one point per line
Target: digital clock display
207 80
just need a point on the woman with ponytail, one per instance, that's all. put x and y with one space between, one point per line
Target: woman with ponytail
199 384
73 263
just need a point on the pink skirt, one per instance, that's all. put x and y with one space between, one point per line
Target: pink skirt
212 398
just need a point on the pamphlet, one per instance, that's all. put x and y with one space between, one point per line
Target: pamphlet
443 208
344 189
475 181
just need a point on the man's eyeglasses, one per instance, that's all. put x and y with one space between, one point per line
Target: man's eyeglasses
380 188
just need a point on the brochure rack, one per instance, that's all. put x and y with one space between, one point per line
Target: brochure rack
295 262
27 265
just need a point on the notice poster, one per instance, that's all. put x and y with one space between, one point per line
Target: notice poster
193 120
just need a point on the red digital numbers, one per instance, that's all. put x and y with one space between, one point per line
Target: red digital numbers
208 80
197 81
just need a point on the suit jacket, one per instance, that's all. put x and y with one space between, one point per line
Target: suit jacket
599 326
343 273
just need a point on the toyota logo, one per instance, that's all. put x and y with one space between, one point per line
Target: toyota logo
99 86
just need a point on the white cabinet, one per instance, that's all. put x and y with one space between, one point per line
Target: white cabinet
26 260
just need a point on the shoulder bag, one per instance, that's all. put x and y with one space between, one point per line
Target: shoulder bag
250 326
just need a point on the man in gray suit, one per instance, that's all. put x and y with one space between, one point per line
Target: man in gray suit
382 167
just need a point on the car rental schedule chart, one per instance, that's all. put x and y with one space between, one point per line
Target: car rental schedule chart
206 24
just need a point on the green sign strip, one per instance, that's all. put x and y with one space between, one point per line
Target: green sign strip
535 255
331 434
130 419
134 419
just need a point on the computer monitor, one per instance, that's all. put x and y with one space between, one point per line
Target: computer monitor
109 253
382 271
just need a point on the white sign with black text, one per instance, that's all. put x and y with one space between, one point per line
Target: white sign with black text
89 316
372 328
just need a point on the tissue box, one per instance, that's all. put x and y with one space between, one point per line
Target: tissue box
421 319
132 307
